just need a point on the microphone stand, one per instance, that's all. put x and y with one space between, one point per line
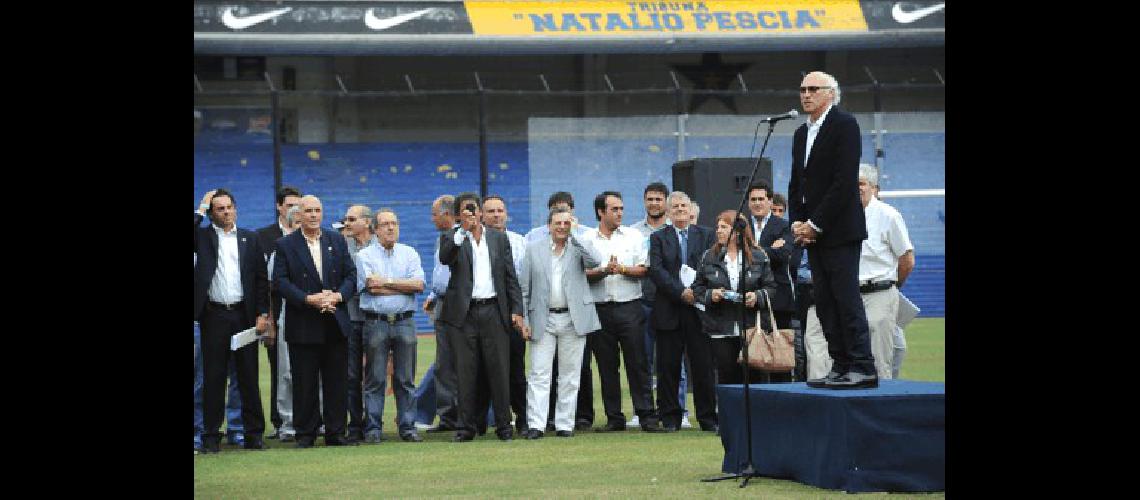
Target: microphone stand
738 228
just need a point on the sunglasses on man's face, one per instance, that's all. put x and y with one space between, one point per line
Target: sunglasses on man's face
811 90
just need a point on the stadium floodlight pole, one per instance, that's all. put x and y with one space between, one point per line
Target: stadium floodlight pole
738 228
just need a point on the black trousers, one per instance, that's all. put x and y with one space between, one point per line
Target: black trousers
217 325
274 415
623 327
725 352
835 276
689 338
446 383
482 342
314 365
517 389
803 302
355 397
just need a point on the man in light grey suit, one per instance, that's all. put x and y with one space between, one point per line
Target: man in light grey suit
560 312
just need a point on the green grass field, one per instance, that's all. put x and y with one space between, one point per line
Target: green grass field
622 465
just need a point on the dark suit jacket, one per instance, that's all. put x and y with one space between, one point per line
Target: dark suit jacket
457 299
664 268
827 190
254 282
267 237
295 276
777 227
713 273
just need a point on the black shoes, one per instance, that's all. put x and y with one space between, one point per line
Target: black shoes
854 380
505 435
304 442
821 383
582 425
210 447
412 437
533 434
254 444
339 441
564 434
461 437
711 428
442 428
611 427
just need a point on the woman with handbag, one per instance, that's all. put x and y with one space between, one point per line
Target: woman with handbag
716 287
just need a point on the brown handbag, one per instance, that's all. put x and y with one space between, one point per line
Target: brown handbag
769 351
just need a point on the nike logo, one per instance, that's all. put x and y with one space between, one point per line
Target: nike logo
907 17
376 23
239 23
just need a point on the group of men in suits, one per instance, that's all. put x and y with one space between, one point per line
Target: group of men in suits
489 300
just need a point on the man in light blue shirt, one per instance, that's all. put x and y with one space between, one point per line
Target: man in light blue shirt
389 276
437 392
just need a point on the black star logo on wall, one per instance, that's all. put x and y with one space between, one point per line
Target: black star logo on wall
711 74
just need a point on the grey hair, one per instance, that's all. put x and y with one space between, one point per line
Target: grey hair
869 173
695 207
446 203
831 81
677 194
557 210
291 214
366 214
386 210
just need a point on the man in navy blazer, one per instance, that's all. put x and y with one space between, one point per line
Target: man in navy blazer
231 294
827 215
316 275
483 305
675 319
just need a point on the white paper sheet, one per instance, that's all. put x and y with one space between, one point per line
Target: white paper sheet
688 275
907 311
243 338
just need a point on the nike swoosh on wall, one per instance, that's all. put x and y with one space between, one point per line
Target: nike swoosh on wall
376 23
907 17
238 23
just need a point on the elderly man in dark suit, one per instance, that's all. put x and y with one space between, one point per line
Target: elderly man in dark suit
823 203
482 304
675 317
231 294
287 197
315 274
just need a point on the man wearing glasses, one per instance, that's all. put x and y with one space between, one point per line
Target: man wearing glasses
359 223
827 217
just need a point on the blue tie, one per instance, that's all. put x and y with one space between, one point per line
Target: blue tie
684 244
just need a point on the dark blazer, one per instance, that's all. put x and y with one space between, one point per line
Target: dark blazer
267 237
714 274
777 227
295 276
664 268
457 299
254 281
827 190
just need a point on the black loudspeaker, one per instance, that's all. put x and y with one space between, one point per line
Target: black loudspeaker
289 78
717 184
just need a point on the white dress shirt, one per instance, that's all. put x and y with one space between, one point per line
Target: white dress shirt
629 245
558 266
314 245
887 240
226 285
812 132
482 287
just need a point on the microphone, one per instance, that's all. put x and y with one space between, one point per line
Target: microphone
773 119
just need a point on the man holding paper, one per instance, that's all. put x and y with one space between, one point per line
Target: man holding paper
673 251
231 294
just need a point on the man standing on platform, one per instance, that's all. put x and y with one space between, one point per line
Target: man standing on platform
616 295
231 294
482 304
288 197
314 272
389 275
828 218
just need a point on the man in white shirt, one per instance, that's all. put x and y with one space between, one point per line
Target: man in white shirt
885 261
495 217
616 292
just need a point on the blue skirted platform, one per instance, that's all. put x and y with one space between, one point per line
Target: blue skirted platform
891 438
